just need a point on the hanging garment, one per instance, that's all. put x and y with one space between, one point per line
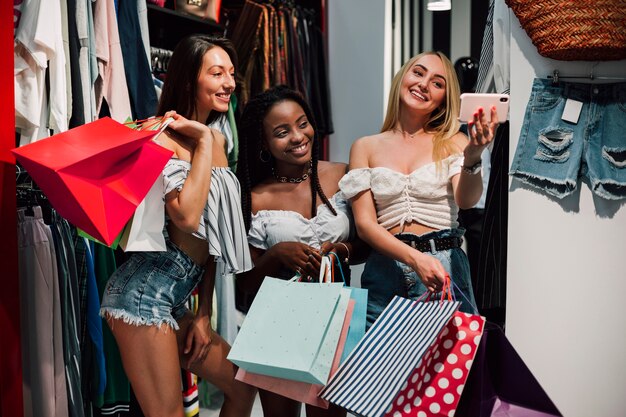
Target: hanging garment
111 82
68 281
87 61
116 397
39 51
136 64
45 392
573 131
78 107
493 69
490 289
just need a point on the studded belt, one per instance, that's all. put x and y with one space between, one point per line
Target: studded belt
431 245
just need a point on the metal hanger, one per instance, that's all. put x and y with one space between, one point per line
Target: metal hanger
556 76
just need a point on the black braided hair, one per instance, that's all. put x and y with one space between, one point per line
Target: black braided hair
180 88
251 171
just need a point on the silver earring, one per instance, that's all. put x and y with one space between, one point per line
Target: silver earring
263 157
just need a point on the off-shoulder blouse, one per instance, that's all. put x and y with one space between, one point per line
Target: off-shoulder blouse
269 227
424 196
221 223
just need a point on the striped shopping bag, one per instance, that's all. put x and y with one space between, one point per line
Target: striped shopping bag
371 377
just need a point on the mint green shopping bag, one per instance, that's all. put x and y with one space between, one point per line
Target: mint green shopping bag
292 330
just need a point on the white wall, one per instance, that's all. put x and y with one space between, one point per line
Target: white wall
356 71
460 30
355 54
566 295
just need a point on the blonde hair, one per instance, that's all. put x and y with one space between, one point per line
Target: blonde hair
443 122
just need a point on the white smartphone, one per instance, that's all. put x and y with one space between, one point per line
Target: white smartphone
470 102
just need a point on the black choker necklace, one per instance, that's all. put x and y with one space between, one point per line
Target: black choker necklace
305 175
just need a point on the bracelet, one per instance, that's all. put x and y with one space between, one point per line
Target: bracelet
474 169
347 259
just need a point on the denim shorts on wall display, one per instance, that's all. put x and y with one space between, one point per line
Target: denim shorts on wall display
151 288
385 277
553 153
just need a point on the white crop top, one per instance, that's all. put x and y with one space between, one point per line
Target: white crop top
269 227
424 196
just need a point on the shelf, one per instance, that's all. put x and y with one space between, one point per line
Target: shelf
168 26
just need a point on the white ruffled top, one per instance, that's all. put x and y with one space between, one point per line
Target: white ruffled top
269 227
424 196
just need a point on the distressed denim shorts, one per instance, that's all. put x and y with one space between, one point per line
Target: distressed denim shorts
553 153
151 288
385 278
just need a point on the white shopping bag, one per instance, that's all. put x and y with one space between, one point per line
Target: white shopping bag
144 231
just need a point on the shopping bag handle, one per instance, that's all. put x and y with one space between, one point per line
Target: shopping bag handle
325 265
464 296
447 293
153 121
328 263
334 255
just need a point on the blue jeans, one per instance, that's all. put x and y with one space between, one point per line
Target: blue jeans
552 153
385 277
151 288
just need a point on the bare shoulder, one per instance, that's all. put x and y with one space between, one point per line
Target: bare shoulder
218 136
167 140
368 143
332 170
363 150
260 197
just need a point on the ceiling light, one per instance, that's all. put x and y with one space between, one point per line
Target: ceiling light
439 5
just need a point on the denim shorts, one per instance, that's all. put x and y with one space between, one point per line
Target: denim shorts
151 288
553 153
385 278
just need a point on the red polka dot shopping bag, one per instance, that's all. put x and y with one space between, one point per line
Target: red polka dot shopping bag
435 385
381 366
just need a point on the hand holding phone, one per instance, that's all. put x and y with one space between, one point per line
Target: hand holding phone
470 102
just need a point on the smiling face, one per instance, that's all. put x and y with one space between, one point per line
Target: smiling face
216 82
288 133
423 87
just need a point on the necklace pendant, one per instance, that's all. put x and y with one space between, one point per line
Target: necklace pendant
283 179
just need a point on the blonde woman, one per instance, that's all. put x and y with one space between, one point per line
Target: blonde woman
407 183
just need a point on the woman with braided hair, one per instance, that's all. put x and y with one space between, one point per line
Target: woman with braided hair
282 183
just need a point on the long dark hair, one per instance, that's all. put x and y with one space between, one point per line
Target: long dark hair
181 83
251 170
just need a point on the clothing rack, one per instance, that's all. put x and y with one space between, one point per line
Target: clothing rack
27 194
159 58
556 76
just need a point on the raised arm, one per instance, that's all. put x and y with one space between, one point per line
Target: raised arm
468 187
185 207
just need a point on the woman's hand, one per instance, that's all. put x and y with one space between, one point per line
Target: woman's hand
481 133
198 340
430 270
190 129
299 257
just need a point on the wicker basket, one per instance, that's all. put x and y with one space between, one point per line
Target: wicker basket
574 30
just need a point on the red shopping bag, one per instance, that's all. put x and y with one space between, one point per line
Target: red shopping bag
435 385
95 175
